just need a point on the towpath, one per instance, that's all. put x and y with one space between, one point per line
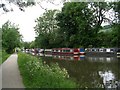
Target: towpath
10 73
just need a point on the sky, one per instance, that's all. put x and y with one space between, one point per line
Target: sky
26 20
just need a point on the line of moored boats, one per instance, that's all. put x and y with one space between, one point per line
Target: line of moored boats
75 51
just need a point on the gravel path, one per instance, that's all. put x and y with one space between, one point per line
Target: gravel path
10 73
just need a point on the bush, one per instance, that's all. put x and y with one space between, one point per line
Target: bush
38 75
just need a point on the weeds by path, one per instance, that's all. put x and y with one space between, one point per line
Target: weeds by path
4 56
38 75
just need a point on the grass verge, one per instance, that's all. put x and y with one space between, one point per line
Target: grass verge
35 74
4 56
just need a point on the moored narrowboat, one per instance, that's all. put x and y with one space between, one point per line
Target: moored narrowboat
62 51
65 51
100 51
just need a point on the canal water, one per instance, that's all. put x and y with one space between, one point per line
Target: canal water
90 71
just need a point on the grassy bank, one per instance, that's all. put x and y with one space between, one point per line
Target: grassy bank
39 75
4 56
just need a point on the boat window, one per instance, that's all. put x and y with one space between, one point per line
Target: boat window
93 50
111 50
64 51
67 50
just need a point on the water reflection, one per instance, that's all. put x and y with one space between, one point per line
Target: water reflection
89 71
109 79
101 59
75 57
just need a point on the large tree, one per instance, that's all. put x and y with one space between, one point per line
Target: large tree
11 37
80 22
75 23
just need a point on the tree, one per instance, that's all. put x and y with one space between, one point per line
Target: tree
75 22
11 38
26 45
46 30
116 24
80 22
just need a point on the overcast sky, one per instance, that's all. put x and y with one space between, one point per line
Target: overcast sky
25 20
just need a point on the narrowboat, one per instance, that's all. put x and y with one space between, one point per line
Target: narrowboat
100 51
48 51
65 51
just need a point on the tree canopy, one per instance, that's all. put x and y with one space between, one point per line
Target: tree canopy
11 37
46 30
79 24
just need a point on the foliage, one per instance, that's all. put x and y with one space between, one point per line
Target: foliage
116 35
77 25
26 45
75 22
29 45
80 24
46 30
39 75
11 38
116 24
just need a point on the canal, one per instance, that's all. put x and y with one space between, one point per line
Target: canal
89 71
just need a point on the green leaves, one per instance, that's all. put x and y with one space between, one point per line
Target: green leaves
10 37
46 30
78 24
75 22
